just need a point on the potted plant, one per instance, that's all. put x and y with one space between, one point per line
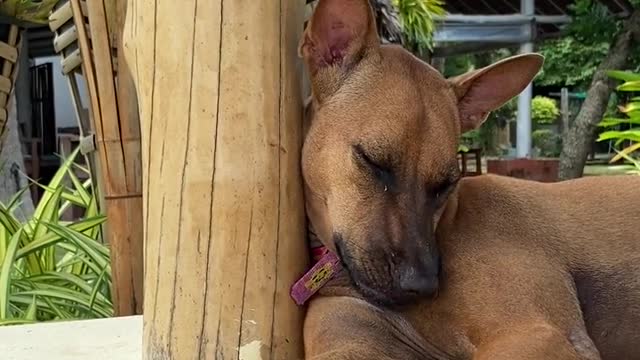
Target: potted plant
546 140
624 128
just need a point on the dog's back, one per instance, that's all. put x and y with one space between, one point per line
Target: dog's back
580 226
587 217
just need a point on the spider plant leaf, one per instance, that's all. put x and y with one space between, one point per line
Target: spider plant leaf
5 274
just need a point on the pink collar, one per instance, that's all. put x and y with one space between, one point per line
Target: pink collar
327 264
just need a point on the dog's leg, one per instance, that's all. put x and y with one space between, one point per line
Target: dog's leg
537 342
346 328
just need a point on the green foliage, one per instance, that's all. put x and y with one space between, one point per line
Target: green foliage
52 269
626 128
544 110
570 62
417 18
547 142
507 112
573 59
28 10
593 22
470 139
458 65
484 137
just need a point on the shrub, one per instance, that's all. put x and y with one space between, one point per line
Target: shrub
51 269
417 18
544 110
625 128
548 142
470 139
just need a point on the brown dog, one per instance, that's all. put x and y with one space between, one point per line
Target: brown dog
528 270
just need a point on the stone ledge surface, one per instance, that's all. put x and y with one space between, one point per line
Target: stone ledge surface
104 339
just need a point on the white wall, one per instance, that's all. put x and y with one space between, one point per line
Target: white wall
65 111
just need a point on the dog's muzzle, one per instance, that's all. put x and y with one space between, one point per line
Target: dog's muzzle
420 278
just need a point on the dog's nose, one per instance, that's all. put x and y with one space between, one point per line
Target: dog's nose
418 282
420 276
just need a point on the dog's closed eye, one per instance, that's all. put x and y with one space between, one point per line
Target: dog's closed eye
440 190
382 172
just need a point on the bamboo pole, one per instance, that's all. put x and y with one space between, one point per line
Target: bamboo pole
117 137
8 74
219 93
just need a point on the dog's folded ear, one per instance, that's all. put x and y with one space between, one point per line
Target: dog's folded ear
481 91
337 34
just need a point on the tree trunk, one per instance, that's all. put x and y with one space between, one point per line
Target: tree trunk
580 137
218 84
12 178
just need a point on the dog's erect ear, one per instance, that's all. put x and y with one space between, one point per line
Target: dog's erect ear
338 33
481 91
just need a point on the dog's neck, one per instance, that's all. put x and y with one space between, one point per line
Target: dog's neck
308 115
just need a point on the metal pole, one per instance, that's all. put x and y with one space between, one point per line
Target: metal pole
523 143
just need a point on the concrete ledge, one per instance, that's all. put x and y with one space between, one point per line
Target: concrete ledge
104 339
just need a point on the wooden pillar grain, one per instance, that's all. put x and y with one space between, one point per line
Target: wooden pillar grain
218 84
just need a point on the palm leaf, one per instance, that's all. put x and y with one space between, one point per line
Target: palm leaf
625 152
610 122
630 86
633 135
623 75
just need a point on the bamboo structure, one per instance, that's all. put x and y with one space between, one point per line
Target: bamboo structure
8 73
218 84
87 36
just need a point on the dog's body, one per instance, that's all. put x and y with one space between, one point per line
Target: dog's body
531 279
528 270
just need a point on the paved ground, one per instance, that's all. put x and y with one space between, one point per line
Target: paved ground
108 339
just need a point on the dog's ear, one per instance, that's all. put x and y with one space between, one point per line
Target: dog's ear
337 34
481 91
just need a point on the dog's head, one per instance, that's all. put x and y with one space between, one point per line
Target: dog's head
379 159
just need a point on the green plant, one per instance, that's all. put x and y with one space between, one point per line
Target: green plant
485 136
570 62
625 129
34 11
52 269
458 65
417 18
470 139
573 59
547 142
593 22
544 110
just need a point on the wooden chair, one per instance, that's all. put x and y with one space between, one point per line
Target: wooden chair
463 158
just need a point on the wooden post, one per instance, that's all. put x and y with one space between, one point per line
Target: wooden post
218 84
117 137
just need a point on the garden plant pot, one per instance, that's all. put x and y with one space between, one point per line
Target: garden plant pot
542 170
